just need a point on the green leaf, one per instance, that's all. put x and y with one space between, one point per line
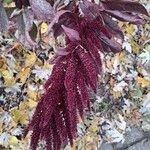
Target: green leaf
137 93
7 1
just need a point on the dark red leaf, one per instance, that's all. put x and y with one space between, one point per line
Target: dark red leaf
125 17
114 46
55 19
71 33
113 26
125 6
89 9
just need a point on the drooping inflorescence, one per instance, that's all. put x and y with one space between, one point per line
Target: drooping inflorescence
89 30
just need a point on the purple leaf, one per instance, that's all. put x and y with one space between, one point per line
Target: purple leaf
25 22
56 19
114 46
3 19
125 17
113 26
98 24
71 33
67 19
61 52
28 17
57 29
89 9
15 13
125 6
42 9
54 59
58 3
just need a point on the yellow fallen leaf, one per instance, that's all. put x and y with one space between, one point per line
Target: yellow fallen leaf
147 27
32 94
23 75
44 27
47 65
90 146
147 48
16 114
78 142
88 138
109 64
122 25
130 28
116 94
13 140
8 77
135 47
18 47
23 105
39 63
10 5
73 147
31 104
30 59
2 62
122 56
112 82
1 127
143 82
93 128
19 116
